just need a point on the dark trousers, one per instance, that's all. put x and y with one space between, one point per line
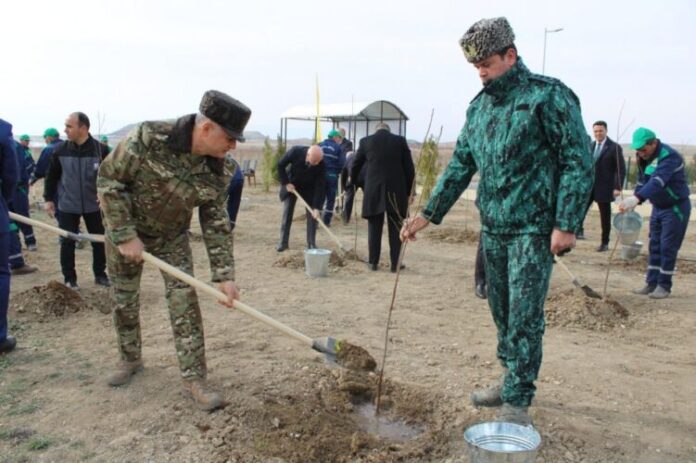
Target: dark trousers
234 198
16 258
348 199
20 205
71 222
286 223
480 269
331 190
667 230
604 217
4 283
375 224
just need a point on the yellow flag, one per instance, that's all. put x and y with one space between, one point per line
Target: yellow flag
317 124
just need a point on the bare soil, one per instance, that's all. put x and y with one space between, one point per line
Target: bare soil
616 384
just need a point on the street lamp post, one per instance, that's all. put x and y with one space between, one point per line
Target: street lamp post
547 32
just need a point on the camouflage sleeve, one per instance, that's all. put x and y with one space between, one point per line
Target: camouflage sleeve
453 181
116 173
565 132
218 239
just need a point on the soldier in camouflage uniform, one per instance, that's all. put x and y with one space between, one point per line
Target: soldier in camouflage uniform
148 188
524 135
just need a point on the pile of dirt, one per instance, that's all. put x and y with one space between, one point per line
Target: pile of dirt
331 418
354 357
52 300
573 308
452 235
292 260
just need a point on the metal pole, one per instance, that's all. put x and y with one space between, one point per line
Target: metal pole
543 59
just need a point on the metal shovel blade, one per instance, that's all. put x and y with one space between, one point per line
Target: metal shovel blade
328 348
589 292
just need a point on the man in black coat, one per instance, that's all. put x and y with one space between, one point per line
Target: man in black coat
349 189
610 171
388 183
301 169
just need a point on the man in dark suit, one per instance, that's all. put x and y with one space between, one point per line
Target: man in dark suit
301 169
610 171
388 182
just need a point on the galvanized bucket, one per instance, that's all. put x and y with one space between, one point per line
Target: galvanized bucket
631 251
317 262
627 225
496 442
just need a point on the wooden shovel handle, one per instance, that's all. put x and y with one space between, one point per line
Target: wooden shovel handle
59 231
220 296
186 278
560 262
321 222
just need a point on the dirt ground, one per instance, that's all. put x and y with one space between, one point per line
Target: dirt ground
615 385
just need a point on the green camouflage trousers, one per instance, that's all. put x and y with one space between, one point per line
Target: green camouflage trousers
184 312
518 269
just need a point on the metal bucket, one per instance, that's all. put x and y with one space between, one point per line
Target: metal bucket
496 442
317 262
631 251
627 225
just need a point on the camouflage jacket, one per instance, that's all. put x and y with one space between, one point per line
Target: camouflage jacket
525 136
150 184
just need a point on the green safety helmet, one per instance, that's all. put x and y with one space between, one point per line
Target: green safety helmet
51 132
24 137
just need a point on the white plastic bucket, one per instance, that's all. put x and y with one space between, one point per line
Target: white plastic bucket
244 203
317 262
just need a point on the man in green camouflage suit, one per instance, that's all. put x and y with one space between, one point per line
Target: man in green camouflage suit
148 187
524 135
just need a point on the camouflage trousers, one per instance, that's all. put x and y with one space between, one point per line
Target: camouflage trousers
184 311
518 269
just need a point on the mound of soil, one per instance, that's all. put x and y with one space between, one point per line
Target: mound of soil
52 300
354 357
453 235
329 419
573 308
337 261
290 260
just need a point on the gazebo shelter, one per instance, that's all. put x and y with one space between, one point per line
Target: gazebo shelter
358 118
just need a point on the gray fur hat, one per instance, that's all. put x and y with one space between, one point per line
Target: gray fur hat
485 38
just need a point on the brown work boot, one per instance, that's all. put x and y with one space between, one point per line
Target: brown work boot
514 414
205 398
489 396
24 270
123 372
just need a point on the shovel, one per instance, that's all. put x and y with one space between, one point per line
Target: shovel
584 288
64 233
321 222
328 347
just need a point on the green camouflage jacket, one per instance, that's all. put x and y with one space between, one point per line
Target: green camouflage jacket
525 136
150 184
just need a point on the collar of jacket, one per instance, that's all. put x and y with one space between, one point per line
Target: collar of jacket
181 140
501 86
89 143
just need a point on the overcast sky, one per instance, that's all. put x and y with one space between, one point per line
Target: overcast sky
149 59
